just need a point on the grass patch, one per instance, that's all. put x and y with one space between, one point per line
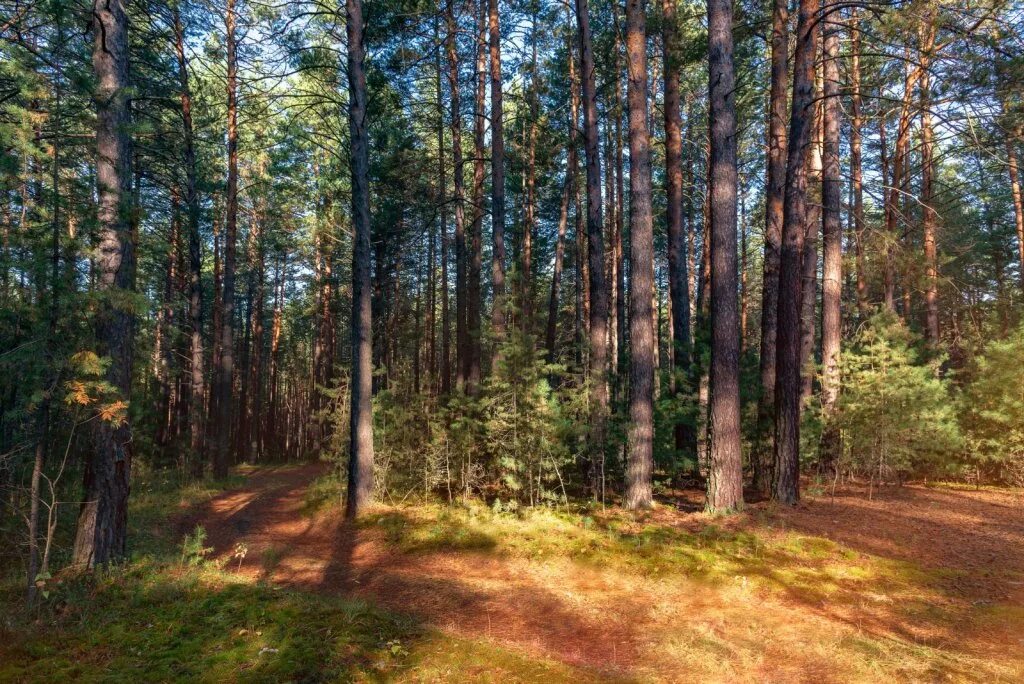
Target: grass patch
618 542
870 617
323 493
145 622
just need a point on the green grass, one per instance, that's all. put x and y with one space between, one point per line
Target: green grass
145 622
151 623
650 550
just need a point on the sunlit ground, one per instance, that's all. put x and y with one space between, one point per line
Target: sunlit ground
914 585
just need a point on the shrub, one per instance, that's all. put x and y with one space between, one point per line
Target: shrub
895 411
993 410
523 426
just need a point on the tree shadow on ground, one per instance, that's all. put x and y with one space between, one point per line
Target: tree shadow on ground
877 568
153 624
946 557
470 592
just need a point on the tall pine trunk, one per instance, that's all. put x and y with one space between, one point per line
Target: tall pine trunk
618 362
461 340
775 191
271 438
102 530
640 455
598 292
929 215
897 188
225 365
812 228
613 256
679 286
568 192
787 374
445 384
725 470
197 414
1018 203
530 213
832 255
856 164
164 333
249 438
360 468
475 266
498 314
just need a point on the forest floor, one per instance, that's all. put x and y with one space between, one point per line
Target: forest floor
914 584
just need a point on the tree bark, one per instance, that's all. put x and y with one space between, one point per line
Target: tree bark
360 469
744 287
497 181
530 214
218 317
431 305
225 366
774 202
679 286
703 317
691 219
640 457
255 396
897 187
725 471
462 365
613 256
445 384
598 293
475 266
271 435
612 228
196 393
809 268
929 216
1018 203
787 377
568 193
164 347
856 173
832 255
618 361
102 529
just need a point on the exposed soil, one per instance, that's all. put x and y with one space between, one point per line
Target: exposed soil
609 624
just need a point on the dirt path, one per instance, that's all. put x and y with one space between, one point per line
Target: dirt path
613 624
